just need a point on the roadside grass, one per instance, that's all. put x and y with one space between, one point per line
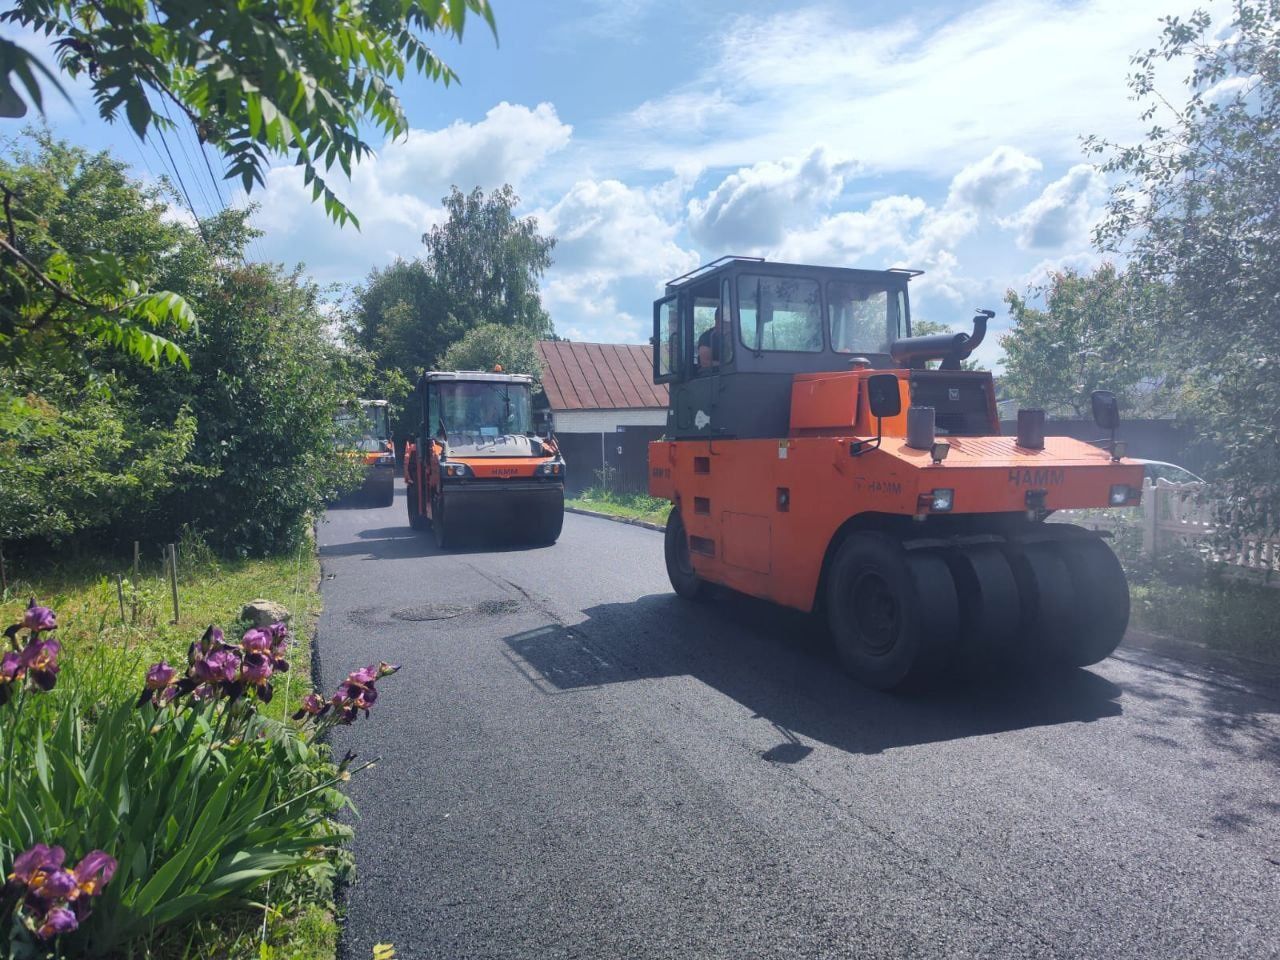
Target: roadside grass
1184 596
637 506
105 658
1234 616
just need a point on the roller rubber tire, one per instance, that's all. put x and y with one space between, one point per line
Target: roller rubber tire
416 519
893 614
684 581
1102 613
990 609
1047 598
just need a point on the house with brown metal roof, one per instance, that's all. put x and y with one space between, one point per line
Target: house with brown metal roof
600 387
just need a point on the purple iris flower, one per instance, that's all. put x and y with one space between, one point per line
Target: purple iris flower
40 659
30 868
38 619
11 673
160 675
205 691
255 669
279 632
387 669
257 640
158 686
57 921
94 872
312 706
218 667
364 676
55 886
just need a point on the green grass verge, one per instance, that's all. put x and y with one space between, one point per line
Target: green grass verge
1233 616
300 921
637 506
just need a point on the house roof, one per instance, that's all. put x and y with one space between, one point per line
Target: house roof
599 376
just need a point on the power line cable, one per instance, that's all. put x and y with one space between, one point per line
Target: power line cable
196 176
182 185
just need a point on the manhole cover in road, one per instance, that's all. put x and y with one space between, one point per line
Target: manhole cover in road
429 611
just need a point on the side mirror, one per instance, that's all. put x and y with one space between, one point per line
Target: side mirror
883 396
1106 411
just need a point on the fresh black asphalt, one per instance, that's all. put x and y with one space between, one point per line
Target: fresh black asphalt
576 763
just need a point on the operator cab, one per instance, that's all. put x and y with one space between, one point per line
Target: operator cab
730 337
479 414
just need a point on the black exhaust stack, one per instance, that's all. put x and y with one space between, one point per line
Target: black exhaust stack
914 352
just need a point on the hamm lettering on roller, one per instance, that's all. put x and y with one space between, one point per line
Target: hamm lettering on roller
1035 478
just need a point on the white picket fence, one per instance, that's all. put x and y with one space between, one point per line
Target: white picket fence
1175 514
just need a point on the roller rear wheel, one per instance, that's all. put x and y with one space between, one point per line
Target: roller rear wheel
548 524
1101 614
1048 599
990 609
893 614
416 519
442 525
680 570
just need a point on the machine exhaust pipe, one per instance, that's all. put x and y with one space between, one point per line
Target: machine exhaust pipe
914 352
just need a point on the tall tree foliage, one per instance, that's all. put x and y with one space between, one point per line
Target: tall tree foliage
489 261
490 345
60 290
1196 211
1091 332
258 79
480 267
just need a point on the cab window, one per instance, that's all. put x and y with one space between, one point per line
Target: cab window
860 317
712 342
779 313
666 340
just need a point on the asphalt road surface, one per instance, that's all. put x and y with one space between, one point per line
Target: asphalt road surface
576 763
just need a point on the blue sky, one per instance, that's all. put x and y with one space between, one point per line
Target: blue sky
653 135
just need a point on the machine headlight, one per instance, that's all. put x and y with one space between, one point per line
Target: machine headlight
1122 493
455 469
942 500
553 468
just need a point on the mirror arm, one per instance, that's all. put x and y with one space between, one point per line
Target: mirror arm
858 447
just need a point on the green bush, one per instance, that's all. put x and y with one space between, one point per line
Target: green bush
240 446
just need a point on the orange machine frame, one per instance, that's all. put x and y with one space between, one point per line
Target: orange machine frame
762 515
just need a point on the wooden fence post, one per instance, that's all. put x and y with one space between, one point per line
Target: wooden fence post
120 595
173 578
133 611
1150 520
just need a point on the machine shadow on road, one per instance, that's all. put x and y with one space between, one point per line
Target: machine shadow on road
779 664
405 543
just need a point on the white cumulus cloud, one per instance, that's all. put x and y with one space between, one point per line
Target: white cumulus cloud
754 207
986 182
1063 213
396 192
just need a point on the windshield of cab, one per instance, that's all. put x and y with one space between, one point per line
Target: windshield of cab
364 430
479 414
863 317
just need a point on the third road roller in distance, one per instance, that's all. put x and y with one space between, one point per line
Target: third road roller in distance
814 459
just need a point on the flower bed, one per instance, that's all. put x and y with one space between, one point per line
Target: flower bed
178 802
